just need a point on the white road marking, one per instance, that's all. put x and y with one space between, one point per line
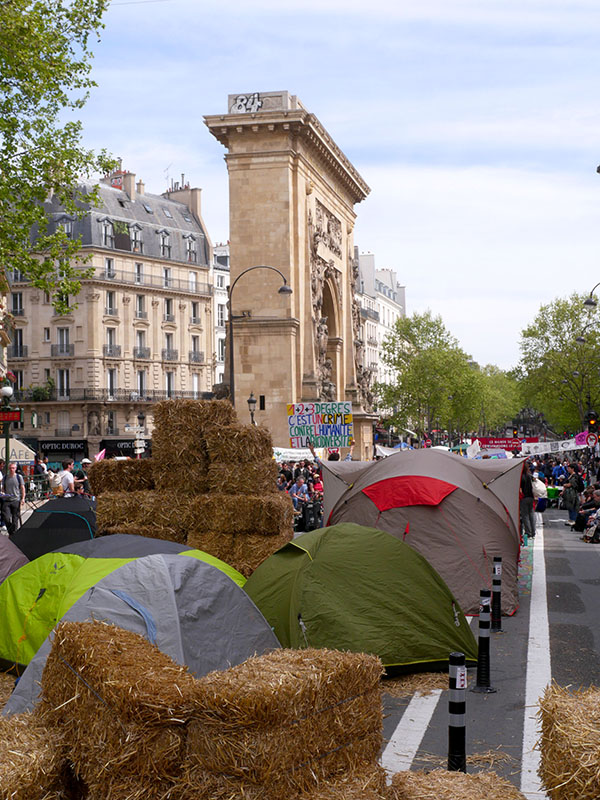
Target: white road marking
539 673
404 743
406 739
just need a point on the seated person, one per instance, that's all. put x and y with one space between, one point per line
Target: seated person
298 492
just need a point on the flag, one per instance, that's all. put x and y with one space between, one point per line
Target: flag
100 455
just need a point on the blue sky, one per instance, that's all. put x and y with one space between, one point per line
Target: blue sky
475 123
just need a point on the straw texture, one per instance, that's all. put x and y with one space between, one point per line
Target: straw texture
570 743
238 444
270 515
31 760
257 478
443 785
109 475
132 512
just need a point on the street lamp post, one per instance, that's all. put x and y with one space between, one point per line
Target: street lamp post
139 443
252 407
284 289
7 393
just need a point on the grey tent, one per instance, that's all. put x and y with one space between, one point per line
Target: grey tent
190 609
458 513
11 558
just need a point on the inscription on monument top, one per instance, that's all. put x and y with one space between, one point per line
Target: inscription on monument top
253 102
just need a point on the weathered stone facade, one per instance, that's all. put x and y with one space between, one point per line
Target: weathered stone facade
292 196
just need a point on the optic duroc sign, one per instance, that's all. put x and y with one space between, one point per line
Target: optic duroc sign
320 424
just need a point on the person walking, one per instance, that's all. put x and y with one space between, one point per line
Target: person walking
526 503
570 494
14 498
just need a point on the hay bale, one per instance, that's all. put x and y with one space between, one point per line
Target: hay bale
147 513
287 719
570 743
109 475
366 782
243 551
31 760
443 785
120 704
238 444
258 477
227 513
179 452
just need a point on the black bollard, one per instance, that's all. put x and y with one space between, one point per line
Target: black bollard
457 756
497 595
483 654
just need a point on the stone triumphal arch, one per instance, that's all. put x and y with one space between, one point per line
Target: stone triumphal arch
292 193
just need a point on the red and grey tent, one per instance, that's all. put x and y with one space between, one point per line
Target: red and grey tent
458 513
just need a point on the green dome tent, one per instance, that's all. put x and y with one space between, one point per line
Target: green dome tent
354 588
35 597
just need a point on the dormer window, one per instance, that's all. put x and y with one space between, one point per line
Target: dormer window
135 234
108 234
165 245
190 250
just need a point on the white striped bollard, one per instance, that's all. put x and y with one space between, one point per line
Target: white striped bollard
483 653
497 595
457 756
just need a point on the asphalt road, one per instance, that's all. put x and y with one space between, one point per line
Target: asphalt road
561 640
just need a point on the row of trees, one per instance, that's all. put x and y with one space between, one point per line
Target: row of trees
439 386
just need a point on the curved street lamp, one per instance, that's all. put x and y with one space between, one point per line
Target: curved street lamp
284 289
591 300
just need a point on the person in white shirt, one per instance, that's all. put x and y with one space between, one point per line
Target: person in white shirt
67 481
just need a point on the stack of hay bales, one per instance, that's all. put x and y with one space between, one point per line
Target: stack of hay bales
31 760
125 476
214 487
281 725
570 743
443 785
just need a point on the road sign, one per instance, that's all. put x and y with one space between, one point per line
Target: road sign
591 439
427 442
10 416
517 444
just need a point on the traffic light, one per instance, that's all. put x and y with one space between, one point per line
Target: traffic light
515 432
592 421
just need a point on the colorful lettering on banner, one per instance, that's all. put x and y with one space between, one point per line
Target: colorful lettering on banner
326 424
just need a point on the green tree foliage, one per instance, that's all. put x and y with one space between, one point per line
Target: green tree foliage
560 375
436 384
439 386
44 79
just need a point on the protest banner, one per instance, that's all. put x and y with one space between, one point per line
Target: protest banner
321 424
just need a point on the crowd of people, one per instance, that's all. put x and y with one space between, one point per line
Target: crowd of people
303 482
576 485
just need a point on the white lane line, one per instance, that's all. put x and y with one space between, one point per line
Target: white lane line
404 743
539 673
406 739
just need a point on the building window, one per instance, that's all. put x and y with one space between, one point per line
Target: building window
169 314
111 306
67 227
170 383
195 316
46 297
140 306
190 250
46 335
220 281
111 383
108 234
135 235
220 314
195 344
166 277
17 304
141 382
140 338
18 384
196 385
109 268
46 418
46 374
111 337
111 427
193 281
139 272
221 349
63 384
168 341
62 338
165 245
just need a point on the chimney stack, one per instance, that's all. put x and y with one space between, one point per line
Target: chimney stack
129 184
140 187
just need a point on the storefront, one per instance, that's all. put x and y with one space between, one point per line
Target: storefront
123 447
61 449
